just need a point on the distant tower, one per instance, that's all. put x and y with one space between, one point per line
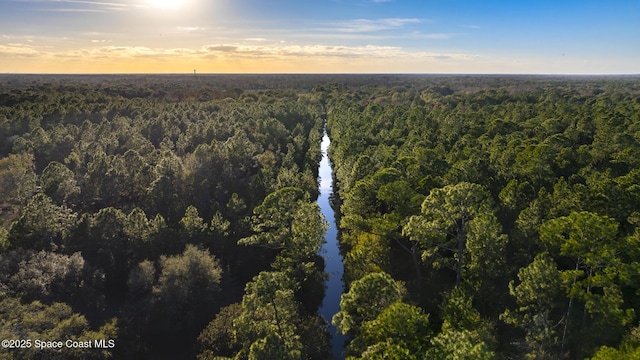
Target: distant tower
194 71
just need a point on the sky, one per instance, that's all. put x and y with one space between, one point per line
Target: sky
320 36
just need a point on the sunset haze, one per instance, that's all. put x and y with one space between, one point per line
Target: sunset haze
332 36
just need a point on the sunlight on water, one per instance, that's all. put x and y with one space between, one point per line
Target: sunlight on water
331 253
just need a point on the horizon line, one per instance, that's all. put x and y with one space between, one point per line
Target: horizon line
321 73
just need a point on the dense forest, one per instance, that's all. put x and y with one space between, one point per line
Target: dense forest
490 218
138 210
481 217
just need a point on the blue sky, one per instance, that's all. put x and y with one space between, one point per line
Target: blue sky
382 36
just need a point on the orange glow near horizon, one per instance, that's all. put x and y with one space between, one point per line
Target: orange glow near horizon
287 36
186 66
229 58
202 65
258 56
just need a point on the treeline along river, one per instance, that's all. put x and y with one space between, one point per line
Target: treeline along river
331 252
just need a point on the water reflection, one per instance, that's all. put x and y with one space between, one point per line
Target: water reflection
331 253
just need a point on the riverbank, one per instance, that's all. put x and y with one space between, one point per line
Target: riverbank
330 251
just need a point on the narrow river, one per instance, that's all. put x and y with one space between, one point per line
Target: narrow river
331 253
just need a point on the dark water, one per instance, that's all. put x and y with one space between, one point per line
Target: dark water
331 254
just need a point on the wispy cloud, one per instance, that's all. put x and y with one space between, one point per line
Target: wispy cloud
432 36
220 48
293 51
235 50
327 51
370 25
19 50
191 28
73 10
83 5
